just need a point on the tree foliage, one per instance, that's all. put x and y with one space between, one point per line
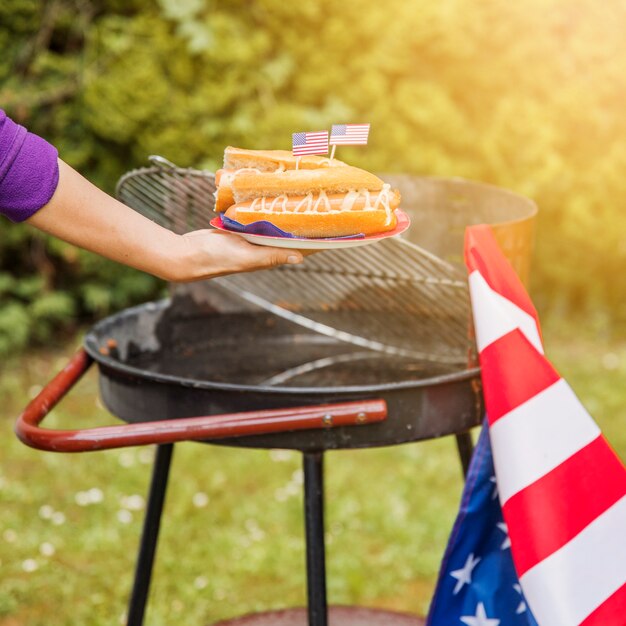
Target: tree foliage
528 96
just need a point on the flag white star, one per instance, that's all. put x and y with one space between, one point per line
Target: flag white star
522 605
507 541
464 575
494 495
480 619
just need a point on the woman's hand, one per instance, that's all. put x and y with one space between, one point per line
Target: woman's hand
82 214
211 253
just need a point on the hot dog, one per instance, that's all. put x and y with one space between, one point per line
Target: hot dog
326 199
322 214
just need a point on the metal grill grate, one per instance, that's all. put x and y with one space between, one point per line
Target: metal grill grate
180 199
393 297
390 297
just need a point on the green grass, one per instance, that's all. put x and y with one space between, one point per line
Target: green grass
231 539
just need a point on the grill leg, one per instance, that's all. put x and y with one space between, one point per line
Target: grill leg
150 535
315 551
465 446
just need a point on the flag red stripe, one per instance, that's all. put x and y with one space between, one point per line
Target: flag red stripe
544 516
611 611
482 253
513 372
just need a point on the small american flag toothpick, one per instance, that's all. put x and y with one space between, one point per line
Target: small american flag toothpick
348 135
310 143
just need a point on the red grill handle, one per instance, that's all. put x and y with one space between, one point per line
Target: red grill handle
182 429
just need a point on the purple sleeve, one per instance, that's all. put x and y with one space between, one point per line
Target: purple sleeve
29 171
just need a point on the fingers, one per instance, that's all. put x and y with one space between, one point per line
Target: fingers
213 253
266 257
248 256
272 257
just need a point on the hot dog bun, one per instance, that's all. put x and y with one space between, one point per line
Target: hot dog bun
247 185
272 160
323 215
224 192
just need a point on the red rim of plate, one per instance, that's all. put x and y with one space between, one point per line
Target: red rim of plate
403 223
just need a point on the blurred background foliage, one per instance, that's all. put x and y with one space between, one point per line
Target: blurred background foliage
528 96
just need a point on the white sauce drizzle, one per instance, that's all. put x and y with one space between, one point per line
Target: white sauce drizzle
321 203
231 176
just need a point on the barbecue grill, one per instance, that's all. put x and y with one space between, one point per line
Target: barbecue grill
354 348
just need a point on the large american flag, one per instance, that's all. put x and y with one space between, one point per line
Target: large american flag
561 488
477 583
349 134
310 143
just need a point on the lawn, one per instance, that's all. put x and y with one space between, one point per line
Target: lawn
232 540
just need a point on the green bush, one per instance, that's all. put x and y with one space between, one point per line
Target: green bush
527 96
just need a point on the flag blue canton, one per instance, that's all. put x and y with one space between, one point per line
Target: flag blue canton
477 583
299 139
338 129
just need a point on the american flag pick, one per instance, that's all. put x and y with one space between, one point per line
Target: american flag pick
310 143
349 134
561 490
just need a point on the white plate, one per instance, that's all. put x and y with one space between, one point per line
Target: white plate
301 243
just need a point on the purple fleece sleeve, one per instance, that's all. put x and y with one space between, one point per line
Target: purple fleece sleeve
29 171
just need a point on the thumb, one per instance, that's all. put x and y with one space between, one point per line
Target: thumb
281 256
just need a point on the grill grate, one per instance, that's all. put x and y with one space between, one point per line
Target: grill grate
180 199
343 293
393 297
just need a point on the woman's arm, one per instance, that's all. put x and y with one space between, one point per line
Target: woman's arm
82 214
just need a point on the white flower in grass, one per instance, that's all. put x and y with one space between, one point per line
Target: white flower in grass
200 499
82 498
46 511
95 495
91 496
200 582
30 565
58 518
124 516
132 503
47 549
9 535
255 532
